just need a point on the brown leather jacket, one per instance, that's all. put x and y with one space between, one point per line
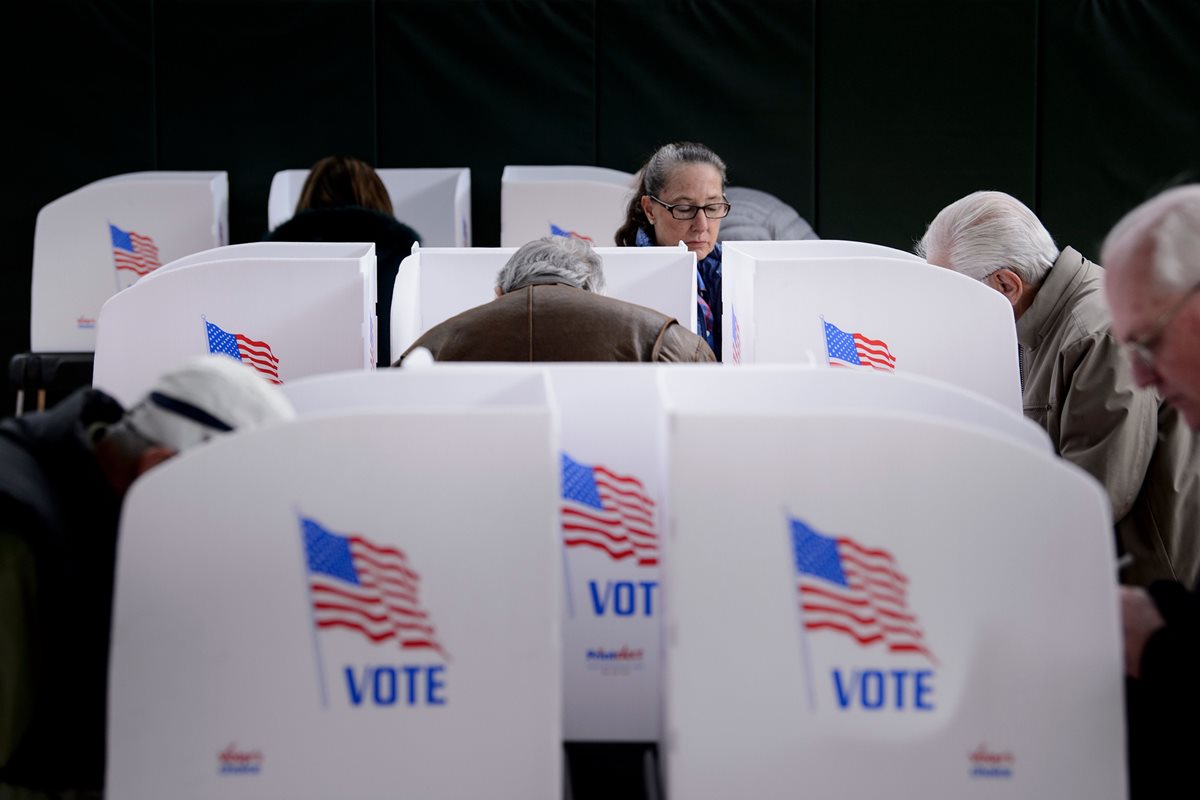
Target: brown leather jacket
556 322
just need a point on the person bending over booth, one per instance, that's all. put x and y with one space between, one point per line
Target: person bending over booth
65 473
1076 382
548 308
679 196
344 200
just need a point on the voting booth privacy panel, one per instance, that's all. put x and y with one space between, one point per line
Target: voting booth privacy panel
611 505
852 608
92 243
284 316
354 618
436 203
865 312
435 284
582 202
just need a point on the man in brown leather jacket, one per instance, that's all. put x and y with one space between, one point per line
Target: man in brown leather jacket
1076 382
547 309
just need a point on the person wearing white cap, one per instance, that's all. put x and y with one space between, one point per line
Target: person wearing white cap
63 476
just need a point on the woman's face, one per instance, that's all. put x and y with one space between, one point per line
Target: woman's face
693 185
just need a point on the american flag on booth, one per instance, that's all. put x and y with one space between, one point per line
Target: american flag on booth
249 351
608 512
557 231
366 588
133 252
737 337
854 349
855 591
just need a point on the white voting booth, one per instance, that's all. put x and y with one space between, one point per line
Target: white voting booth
435 284
436 203
611 466
584 202
854 611
90 244
865 312
285 315
355 605
818 248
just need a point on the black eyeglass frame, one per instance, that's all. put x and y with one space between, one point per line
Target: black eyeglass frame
694 208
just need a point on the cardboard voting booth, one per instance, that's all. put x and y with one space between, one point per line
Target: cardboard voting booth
286 317
435 284
356 606
92 243
818 248
864 312
583 202
436 203
853 611
612 498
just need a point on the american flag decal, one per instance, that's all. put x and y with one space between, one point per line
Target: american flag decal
249 351
366 588
737 338
609 512
854 349
855 591
557 231
133 252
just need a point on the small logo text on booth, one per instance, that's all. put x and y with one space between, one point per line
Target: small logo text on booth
85 323
611 661
232 761
991 764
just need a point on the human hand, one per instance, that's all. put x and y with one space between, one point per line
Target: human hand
1139 620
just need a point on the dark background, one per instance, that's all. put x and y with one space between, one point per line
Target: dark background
867 115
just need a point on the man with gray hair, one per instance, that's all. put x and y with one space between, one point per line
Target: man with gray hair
1153 283
1076 382
548 308
63 476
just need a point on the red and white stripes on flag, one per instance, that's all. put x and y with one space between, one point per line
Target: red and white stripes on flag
133 252
609 512
366 588
249 351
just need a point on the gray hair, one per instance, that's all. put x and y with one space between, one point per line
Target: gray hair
1170 225
561 258
987 231
652 179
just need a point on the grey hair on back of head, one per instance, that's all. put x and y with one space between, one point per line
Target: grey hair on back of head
559 258
987 231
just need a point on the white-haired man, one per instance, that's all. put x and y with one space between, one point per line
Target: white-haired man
548 307
1077 383
1153 287
63 476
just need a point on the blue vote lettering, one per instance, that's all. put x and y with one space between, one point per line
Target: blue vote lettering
623 598
410 685
875 689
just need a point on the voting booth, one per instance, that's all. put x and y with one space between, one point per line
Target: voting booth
371 607
435 284
818 248
284 315
866 312
436 203
583 202
92 243
853 610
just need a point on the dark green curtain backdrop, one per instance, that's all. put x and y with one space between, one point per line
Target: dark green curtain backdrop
867 115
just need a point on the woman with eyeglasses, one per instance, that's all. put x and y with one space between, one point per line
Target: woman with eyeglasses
680 197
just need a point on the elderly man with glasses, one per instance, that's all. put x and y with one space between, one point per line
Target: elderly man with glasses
1077 383
1153 287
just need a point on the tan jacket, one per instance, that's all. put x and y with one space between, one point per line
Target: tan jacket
1079 387
556 322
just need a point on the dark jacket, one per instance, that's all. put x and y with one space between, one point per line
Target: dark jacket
58 536
393 242
556 322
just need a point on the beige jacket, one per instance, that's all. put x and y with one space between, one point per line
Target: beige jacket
1079 387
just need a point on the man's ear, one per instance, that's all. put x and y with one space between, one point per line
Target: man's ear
1009 284
152 456
498 292
648 208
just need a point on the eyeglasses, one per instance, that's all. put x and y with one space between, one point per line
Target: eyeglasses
687 211
1142 348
